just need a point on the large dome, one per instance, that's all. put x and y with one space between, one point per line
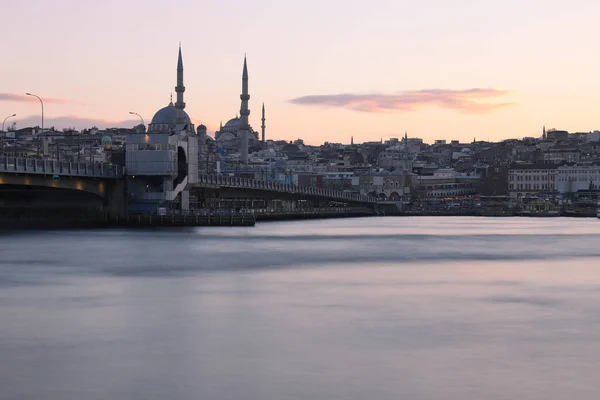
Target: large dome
168 115
233 123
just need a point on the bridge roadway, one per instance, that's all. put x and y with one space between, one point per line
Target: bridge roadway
223 181
100 170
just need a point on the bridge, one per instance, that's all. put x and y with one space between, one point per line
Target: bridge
18 165
28 183
223 181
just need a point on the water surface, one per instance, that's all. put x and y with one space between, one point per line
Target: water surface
379 308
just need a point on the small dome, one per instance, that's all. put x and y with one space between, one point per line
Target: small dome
106 140
201 130
168 115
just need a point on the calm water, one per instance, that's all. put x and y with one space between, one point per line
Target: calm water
376 308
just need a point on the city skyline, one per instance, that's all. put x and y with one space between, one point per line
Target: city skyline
369 71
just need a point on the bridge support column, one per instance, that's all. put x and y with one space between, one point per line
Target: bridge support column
116 199
185 200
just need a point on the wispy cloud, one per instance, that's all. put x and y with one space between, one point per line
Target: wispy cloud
469 100
74 121
23 97
79 122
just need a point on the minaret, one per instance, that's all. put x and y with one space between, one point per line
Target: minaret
351 140
244 112
544 133
405 140
179 89
263 126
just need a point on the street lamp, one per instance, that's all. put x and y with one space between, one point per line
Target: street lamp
10 116
42 103
141 119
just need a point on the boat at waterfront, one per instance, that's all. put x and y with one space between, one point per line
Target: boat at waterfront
581 208
539 208
495 206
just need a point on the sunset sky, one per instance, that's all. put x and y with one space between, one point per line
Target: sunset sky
325 69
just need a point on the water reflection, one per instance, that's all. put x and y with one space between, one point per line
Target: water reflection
416 308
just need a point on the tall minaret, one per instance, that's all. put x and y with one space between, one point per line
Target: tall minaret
544 133
263 126
179 89
244 112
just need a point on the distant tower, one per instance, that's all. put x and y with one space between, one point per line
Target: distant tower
406 140
351 140
263 126
544 133
244 113
179 89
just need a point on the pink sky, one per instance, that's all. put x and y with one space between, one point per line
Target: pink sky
326 70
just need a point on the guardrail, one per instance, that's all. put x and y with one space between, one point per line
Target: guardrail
235 182
51 167
315 211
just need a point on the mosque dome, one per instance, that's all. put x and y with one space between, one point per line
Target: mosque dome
106 142
168 115
233 123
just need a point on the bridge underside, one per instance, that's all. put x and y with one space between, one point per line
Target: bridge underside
44 194
27 201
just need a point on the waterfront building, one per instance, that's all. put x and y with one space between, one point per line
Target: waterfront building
578 178
532 179
445 183
395 185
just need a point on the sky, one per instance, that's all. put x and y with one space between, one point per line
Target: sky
326 70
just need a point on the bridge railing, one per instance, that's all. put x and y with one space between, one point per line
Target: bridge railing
52 167
230 181
268 211
315 211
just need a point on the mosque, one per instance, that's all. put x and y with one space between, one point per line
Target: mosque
236 135
173 116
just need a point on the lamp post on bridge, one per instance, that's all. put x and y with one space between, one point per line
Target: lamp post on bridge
134 113
10 116
42 103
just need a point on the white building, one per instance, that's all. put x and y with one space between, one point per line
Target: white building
573 178
530 179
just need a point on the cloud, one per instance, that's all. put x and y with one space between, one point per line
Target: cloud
78 122
23 97
468 100
74 121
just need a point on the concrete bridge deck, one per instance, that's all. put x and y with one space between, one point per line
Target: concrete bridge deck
100 170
